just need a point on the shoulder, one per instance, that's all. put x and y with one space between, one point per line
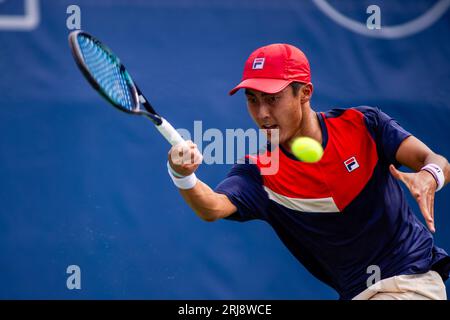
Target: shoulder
366 111
371 116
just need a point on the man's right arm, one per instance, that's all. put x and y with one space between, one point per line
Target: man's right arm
206 203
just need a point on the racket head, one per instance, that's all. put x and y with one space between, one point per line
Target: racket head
104 71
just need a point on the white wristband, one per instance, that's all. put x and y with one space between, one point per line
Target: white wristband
187 182
437 173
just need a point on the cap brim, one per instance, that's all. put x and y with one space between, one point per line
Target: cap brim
270 86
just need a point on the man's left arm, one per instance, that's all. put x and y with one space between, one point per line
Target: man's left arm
422 184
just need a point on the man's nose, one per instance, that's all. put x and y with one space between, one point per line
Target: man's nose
263 111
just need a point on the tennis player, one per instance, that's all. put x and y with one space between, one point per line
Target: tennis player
346 214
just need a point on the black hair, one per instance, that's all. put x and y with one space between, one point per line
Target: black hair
296 86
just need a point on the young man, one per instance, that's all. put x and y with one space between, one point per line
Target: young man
345 217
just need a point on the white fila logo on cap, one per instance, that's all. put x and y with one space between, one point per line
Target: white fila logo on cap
258 63
351 164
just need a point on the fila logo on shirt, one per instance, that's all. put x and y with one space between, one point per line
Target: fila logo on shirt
351 164
258 63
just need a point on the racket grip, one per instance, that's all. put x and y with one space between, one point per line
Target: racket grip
169 132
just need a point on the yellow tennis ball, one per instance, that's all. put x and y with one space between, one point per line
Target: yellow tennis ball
307 149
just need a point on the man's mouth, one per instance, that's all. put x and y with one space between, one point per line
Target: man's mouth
270 127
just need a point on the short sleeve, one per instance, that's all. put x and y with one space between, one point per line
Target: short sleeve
387 132
243 187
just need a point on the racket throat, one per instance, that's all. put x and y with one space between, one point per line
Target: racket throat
142 99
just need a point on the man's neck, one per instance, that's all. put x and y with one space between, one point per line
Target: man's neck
309 127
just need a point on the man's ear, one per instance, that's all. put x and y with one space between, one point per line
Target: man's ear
306 92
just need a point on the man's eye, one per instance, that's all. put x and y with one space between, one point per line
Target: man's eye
251 99
272 99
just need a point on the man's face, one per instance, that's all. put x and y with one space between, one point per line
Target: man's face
280 111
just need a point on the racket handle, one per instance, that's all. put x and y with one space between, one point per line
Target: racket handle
169 132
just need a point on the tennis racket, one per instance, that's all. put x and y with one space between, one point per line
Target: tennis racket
109 77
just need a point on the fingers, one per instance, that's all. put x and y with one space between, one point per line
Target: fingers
193 155
424 205
397 174
423 191
184 158
197 157
402 176
419 186
432 211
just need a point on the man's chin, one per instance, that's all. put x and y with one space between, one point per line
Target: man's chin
273 135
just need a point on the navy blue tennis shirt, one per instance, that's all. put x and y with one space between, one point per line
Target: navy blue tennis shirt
345 213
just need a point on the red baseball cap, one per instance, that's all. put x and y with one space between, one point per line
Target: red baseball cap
272 68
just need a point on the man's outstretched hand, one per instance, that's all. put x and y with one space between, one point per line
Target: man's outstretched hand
422 187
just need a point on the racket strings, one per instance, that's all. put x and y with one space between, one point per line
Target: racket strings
107 72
